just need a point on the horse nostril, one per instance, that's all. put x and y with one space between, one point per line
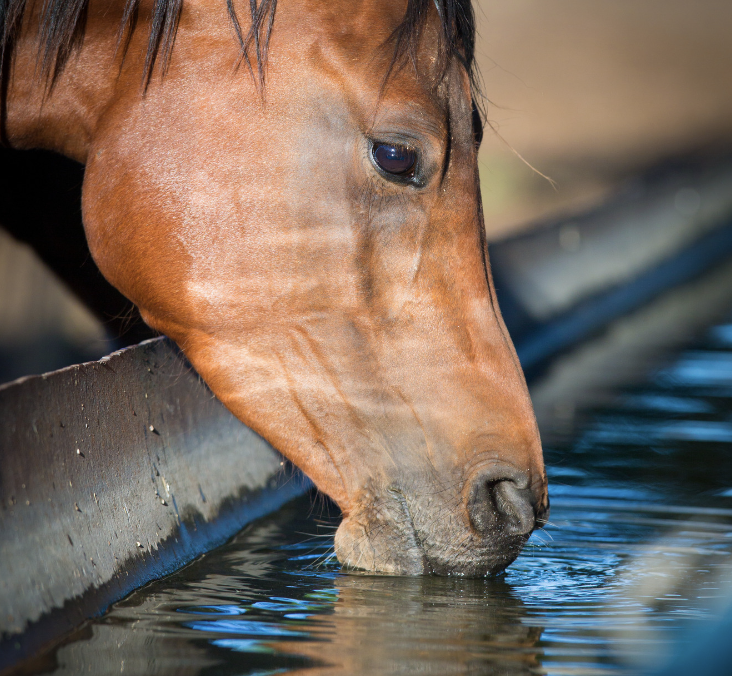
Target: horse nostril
501 503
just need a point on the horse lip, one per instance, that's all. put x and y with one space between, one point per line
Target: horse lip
409 561
412 534
477 568
430 567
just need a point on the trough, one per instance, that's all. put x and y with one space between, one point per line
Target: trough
114 473
563 281
120 471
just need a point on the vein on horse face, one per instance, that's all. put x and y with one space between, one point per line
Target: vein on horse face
417 258
319 437
428 446
326 369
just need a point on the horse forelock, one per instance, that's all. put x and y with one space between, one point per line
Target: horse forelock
62 24
456 36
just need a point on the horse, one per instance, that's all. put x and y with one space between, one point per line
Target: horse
289 191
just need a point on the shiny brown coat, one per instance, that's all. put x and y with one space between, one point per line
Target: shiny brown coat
348 319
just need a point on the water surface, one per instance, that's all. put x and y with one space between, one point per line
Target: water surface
638 548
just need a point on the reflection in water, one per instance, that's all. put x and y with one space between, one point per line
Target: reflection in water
424 626
271 600
639 545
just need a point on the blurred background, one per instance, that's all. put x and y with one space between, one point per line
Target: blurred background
43 326
593 95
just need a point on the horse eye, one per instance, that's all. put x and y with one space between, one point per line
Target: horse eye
394 159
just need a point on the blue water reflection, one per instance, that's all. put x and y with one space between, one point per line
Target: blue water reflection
638 545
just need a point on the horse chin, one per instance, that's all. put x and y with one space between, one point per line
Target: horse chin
377 551
395 548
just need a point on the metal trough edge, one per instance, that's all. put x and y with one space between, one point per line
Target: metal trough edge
115 473
562 282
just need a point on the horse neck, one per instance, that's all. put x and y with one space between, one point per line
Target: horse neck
62 117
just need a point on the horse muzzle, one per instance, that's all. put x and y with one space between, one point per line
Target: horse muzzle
474 529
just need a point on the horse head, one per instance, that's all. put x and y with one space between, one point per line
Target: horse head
311 236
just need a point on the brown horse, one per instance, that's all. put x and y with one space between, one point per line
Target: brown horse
293 198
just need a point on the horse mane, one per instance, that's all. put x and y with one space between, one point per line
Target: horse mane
63 22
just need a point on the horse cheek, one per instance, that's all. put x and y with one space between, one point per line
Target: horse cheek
130 242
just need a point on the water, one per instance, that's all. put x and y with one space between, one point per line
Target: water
638 549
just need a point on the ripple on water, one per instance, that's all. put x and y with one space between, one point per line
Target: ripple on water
639 544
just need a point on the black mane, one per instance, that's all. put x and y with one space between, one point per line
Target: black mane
63 22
